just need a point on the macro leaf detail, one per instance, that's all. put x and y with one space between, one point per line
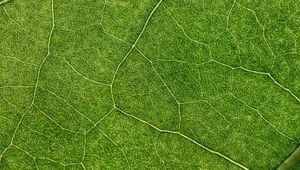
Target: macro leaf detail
149 84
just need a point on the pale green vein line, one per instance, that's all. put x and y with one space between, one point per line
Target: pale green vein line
100 55
16 86
162 80
66 102
165 84
37 81
185 33
132 47
3 2
259 73
214 152
136 41
266 120
35 163
259 140
294 39
147 21
104 30
53 161
48 53
229 13
100 120
181 61
112 96
83 166
264 34
102 12
113 36
114 143
3 152
172 94
157 154
83 76
222 115
65 28
35 131
16 59
6 12
283 87
84 149
56 123
12 105
230 32
143 121
27 153
40 133
186 137
84 153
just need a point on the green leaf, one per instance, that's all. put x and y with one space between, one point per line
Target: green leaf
156 84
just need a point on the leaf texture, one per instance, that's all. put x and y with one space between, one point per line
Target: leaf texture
149 84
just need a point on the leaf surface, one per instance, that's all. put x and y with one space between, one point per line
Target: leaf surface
156 84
